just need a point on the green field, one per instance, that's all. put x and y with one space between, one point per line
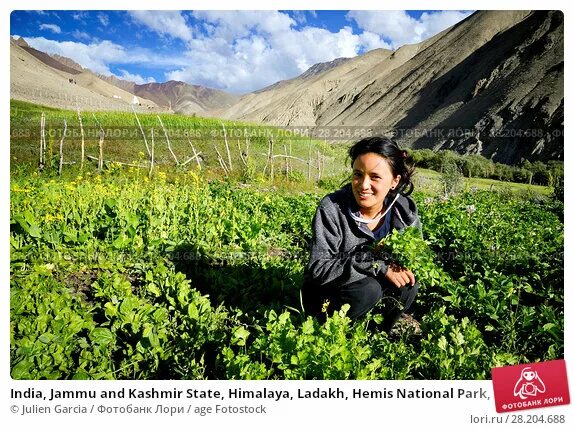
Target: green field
430 181
243 147
194 274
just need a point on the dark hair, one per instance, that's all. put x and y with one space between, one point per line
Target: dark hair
399 160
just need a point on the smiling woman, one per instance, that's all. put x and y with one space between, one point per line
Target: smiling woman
342 268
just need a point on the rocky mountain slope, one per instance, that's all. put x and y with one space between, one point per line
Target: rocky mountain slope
185 98
59 81
39 78
177 96
493 84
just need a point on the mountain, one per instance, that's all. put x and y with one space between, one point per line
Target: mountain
492 84
177 96
185 98
298 101
50 61
61 82
312 71
19 42
120 83
29 82
54 81
68 62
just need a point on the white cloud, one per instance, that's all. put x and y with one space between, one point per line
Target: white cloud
79 16
95 56
313 45
436 22
136 78
104 19
247 50
398 28
170 23
52 27
299 16
77 34
250 64
371 41
231 25
395 26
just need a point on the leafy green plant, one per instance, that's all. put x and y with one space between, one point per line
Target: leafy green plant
116 275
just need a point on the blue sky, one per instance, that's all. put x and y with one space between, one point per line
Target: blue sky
236 51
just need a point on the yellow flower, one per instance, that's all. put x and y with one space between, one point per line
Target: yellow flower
17 189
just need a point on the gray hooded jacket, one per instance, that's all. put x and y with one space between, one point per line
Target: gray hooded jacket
340 249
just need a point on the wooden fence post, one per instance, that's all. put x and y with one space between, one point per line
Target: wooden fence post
195 154
309 163
290 155
42 141
286 161
242 157
227 148
83 143
269 160
168 142
141 129
318 166
62 148
100 144
101 151
151 155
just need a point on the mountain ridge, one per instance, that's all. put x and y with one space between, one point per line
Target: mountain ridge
492 85
172 96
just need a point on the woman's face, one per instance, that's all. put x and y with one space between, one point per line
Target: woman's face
372 180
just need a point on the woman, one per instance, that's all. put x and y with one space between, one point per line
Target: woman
341 268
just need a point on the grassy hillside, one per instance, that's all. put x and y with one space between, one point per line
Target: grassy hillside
248 149
124 142
429 180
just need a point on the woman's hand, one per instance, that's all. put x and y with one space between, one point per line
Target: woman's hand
399 276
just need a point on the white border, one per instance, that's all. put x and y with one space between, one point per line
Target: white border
444 414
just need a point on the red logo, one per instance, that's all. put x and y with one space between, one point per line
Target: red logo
528 386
